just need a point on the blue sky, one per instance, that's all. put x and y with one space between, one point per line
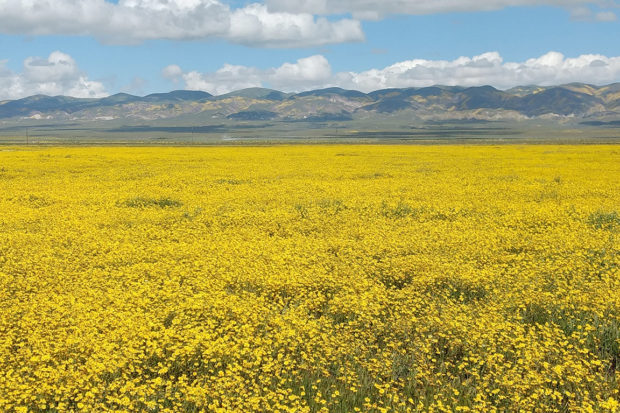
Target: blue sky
146 46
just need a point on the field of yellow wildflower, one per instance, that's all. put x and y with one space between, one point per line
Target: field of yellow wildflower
310 279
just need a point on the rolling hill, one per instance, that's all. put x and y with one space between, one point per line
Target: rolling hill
580 101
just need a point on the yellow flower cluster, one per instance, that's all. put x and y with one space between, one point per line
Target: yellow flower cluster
310 279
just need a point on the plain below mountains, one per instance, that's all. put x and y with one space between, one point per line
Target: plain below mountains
582 102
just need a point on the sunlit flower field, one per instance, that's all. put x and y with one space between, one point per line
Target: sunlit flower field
310 279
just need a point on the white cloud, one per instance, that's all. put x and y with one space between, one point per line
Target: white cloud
552 68
255 25
226 79
172 72
309 73
134 21
371 9
313 72
58 74
264 23
306 73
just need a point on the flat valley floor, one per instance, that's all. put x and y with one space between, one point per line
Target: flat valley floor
310 278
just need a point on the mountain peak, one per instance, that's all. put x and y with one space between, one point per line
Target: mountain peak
329 104
332 91
179 95
256 93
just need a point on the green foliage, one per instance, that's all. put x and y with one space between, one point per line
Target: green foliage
459 290
143 202
605 220
302 210
401 210
604 341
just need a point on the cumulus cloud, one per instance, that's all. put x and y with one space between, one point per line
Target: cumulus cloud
309 73
58 74
266 23
370 9
306 73
490 68
134 21
255 25
172 72
226 79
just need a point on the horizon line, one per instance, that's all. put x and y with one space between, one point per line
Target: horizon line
316 90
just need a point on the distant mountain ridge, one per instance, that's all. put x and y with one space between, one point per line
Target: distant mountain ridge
575 100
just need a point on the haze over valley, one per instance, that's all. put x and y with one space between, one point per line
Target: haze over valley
329 112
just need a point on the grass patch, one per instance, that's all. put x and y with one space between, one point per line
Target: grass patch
191 215
603 340
603 262
459 290
232 181
302 210
143 202
334 205
604 220
400 210
34 201
404 210
376 175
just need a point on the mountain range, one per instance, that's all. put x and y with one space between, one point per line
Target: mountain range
586 103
